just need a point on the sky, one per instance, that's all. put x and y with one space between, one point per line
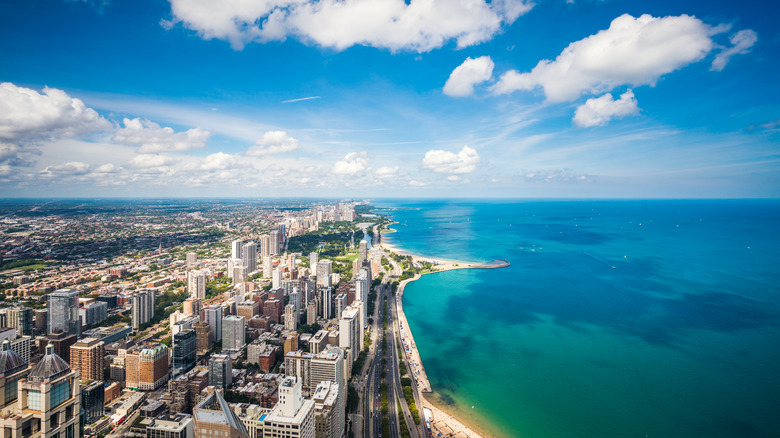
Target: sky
390 98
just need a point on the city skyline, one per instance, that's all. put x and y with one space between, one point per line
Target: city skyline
430 98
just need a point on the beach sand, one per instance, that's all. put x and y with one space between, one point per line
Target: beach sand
442 422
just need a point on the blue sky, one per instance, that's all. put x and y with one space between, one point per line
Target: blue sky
377 98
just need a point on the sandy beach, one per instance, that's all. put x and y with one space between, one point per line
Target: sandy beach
442 422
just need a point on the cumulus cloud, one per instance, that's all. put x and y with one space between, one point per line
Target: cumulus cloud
147 161
416 183
28 117
418 25
465 161
273 142
741 42
636 51
552 175
473 71
63 170
387 172
352 164
597 111
221 161
152 138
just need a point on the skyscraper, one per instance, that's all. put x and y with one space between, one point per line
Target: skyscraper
143 307
88 355
185 345
249 255
235 249
329 417
265 245
196 284
213 317
220 371
275 242
324 269
363 249
350 338
64 312
290 318
147 366
233 333
20 318
313 257
192 259
268 266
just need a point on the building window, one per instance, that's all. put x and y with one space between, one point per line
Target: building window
69 431
59 393
10 390
34 400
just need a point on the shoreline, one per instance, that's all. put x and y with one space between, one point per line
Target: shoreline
444 420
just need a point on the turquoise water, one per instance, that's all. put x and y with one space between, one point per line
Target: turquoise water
615 318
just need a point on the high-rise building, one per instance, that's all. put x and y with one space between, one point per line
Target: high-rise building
261 353
143 307
290 318
50 398
311 312
213 317
191 306
329 419
363 249
275 242
93 313
273 309
248 309
298 364
268 266
292 417
214 418
88 355
196 284
249 255
235 249
265 246
276 281
185 345
328 366
92 401
192 259
220 371
64 312
233 333
203 337
324 269
41 323
313 257
146 367
340 303
240 274
350 332
20 318
61 343
326 301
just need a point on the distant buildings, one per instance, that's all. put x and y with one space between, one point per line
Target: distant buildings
233 333
185 345
20 318
88 355
324 269
220 371
249 256
93 313
212 315
142 308
196 284
64 312
146 367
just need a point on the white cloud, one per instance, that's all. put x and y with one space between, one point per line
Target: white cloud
420 25
352 164
636 51
27 116
273 142
552 175
741 42
453 178
465 161
473 71
106 168
416 183
387 172
146 161
221 161
72 168
597 111
152 138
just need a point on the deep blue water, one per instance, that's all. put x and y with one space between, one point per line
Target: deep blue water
615 318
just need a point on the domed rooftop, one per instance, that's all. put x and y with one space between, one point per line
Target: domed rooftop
49 368
10 362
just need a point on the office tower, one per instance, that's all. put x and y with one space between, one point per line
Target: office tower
220 371
20 318
292 417
50 398
192 259
340 304
329 419
311 312
64 312
363 249
277 279
196 284
88 356
235 249
41 321
290 318
185 345
298 364
276 242
143 308
324 269
265 246
249 255
328 366
214 418
203 336
93 313
191 306
92 401
268 266
213 317
350 338
313 257
233 333
239 274
326 300
146 366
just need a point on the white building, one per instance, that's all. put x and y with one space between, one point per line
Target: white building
233 333
350 338
196 284
292 417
